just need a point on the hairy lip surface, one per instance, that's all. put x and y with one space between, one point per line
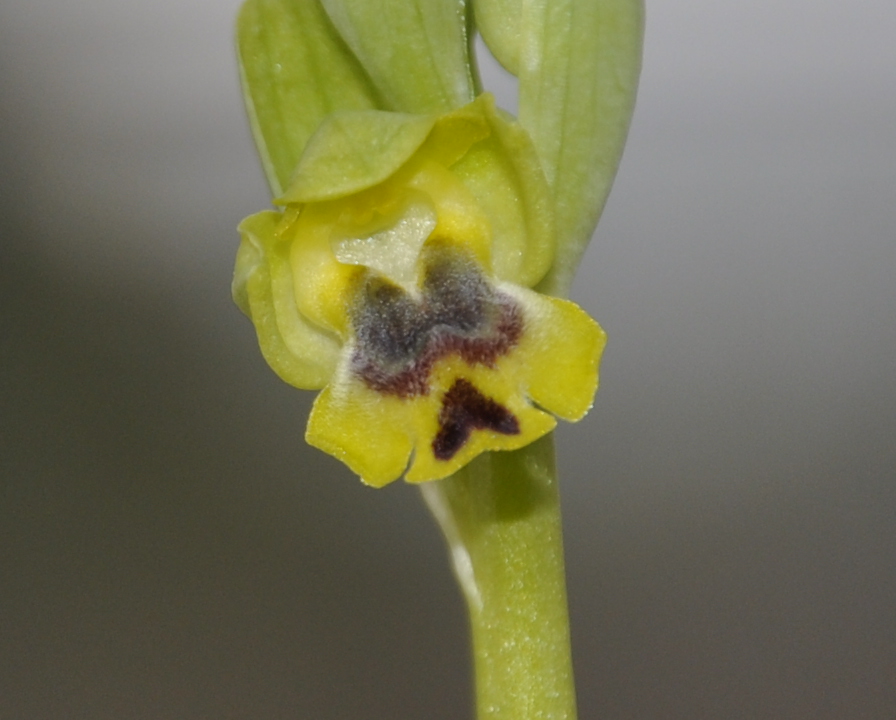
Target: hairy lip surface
399 338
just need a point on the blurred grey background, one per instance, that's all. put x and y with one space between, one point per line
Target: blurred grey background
170 549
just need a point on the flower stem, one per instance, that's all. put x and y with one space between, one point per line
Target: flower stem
501 517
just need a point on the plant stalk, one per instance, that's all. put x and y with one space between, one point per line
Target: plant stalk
501 517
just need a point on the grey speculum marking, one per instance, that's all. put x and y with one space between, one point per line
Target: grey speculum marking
400 338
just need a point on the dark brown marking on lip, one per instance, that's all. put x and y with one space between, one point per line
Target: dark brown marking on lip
399 339
465 409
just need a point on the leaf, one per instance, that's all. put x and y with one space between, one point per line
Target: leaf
579 66
415 51
295 70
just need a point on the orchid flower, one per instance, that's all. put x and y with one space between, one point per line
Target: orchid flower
416 265
396 279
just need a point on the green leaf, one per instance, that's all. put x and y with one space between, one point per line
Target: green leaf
578 70
415 51
296 70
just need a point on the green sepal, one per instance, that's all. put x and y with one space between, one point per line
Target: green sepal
415 51
295 71
353 151
302 354
578 76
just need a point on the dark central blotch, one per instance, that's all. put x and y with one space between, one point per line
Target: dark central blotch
399 338
465 409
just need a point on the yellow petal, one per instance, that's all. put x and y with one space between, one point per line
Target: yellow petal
321 284
300 353
458 216
504 174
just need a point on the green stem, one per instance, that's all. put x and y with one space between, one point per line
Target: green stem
501 516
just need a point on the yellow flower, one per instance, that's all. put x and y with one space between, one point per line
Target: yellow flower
397 280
